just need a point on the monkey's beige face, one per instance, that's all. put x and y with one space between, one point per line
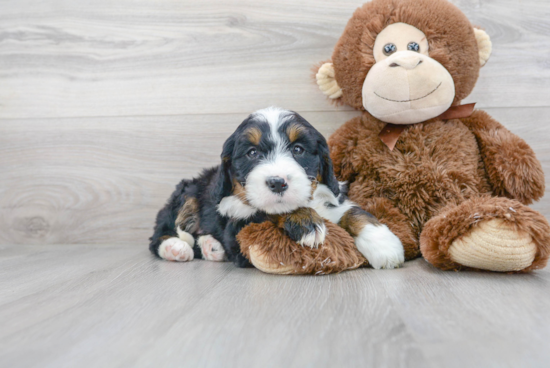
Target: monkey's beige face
406 85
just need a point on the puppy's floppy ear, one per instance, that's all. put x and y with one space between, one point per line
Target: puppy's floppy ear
327 171
223 183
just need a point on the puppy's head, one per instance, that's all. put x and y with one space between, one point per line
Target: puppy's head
274 161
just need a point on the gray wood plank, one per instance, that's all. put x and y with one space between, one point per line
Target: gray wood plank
126 303
137 57
147 312
123 307
62 175
98 180
344 320
473 319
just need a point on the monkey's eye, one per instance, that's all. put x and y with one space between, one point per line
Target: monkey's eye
389 48
298 150
252 153
413 46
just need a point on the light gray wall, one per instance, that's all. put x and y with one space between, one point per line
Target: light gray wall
105 105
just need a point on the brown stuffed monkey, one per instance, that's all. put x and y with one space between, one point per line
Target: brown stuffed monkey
451 182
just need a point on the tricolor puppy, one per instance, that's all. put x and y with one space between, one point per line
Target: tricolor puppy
275 167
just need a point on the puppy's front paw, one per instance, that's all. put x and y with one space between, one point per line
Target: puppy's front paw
315 237
305 227
211 249
380 247
174 249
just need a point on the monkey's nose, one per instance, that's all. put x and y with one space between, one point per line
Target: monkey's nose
407 61
276 184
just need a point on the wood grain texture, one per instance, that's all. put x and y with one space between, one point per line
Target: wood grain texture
173 57
117 306
467 318
97 180
106 105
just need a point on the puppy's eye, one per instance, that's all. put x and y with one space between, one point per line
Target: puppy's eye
298 150
413 46
252 153
389 48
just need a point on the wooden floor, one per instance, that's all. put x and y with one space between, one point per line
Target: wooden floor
117 306
105 105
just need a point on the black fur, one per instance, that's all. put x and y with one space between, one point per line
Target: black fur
212 185
302 222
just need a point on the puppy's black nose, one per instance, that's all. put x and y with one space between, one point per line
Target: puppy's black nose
276 184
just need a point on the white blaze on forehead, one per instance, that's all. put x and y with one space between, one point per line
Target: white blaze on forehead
275 117
278 162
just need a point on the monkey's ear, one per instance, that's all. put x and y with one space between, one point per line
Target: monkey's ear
327 82
484 45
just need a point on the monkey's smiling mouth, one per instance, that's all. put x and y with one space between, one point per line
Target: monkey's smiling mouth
413 99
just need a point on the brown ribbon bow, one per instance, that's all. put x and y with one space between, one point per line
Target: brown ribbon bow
391 132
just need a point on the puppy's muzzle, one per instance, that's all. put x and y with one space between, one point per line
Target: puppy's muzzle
276 184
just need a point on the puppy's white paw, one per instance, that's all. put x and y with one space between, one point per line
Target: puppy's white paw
174 249
211 249
380 246
314 238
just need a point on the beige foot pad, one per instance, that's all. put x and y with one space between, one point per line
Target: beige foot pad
262 263
494 245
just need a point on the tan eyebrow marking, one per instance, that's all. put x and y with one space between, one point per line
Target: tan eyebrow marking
254 135
293 132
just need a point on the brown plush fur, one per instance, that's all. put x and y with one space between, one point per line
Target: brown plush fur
433 165
439 167
337 254
511 165
455 221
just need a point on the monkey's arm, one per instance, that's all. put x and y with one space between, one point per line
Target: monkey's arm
510 163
